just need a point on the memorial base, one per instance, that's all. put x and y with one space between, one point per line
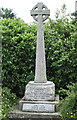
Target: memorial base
40 91
38 106
30 115
19 115
39 103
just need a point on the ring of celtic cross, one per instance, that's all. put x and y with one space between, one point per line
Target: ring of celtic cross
40 9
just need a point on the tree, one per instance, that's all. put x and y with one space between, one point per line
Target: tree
7 13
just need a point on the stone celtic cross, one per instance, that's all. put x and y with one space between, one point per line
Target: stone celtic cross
39 100
40 10
40 13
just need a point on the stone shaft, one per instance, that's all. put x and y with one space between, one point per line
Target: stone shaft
40 71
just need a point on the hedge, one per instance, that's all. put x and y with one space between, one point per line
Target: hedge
19 52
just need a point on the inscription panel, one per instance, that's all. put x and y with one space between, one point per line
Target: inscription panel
39 107
41 92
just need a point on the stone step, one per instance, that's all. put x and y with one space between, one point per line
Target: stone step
39 106
19 115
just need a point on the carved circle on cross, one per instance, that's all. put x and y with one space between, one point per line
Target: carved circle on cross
41 9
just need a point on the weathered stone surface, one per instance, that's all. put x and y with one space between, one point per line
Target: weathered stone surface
40 71
18 115
40 12
57 98
36 119
38 9
38 107
40 91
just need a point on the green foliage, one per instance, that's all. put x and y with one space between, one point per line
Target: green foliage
68 105
8 100
60 40
18 54
60 14
0 56
0 102
6 13
19 46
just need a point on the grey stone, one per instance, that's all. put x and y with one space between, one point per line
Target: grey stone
40 91
57 98
40 11
37 119
40 71
38 107
17 114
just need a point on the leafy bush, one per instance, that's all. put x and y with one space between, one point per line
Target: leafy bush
60 39
0 102
8 100
18 54
6 13
68 105
19 46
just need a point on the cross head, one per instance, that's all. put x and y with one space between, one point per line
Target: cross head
40 9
